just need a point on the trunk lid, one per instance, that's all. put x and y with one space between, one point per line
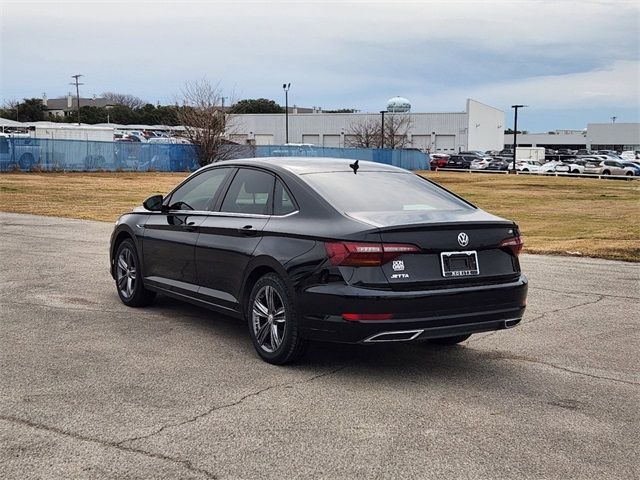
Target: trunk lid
451 232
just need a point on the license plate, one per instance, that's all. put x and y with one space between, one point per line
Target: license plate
459 264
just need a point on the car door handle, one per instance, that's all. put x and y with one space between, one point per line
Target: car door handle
247 230
190 226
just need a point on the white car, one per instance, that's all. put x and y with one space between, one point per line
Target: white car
629 155
480 163
553 166
526 166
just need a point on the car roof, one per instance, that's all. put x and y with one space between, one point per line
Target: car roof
305 165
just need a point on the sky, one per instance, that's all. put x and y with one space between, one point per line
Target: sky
571 62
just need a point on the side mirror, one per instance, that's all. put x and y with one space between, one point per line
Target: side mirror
153 203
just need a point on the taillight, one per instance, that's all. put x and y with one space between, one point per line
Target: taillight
513 244
360 254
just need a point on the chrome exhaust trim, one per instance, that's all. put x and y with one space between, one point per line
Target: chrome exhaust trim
512 322
394 336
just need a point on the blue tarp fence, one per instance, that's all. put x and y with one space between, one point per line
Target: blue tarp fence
41 154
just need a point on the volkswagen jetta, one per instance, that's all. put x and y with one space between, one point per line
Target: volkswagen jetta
323 249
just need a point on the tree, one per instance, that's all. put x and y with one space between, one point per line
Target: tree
396 128
206 125
363 134
366 132
125 99
258 105
30 110
9 110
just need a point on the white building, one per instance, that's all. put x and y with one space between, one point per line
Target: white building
597 136
479 127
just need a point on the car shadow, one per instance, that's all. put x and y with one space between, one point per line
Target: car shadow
404 361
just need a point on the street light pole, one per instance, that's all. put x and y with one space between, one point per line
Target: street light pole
76 77
382 129
285 87
515 134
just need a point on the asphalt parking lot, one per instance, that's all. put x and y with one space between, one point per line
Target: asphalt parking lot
92 389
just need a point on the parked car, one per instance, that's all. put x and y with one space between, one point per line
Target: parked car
438 160
583 151
476 153
607 167
527 166
480 163
575 166
302 249
552 166
630 155
634 166
498 164
460 161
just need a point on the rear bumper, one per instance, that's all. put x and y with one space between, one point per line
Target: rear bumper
418 315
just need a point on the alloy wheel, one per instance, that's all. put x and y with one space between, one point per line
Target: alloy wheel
126 273
268 317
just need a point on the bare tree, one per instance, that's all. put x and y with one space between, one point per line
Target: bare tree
366 132
125 99
10 108
206 124
363 134
396 128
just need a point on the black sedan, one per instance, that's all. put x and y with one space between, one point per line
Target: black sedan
461 161
323 249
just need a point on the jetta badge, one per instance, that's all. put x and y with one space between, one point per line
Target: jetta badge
463 239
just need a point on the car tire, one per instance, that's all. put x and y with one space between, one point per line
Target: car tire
449 341
274 322
575 171
128 276
606 172
629 174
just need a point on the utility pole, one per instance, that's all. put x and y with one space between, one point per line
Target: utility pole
77 84
224 117
515 133
285 87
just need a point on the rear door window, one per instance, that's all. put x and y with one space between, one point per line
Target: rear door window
250 192
283 202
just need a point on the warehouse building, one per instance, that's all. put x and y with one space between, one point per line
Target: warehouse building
597 136
479 127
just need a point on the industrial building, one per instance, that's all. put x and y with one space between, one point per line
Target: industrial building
479 127
597 136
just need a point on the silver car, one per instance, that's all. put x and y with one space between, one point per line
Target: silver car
607 167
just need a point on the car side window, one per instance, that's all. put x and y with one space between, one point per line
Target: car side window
198 192
283 203
250 192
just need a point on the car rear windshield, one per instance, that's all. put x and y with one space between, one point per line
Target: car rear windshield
382 192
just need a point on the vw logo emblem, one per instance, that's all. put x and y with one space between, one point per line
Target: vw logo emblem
463 239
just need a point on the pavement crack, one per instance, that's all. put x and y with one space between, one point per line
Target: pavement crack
543 315
229 405
606 295
516 358
76 436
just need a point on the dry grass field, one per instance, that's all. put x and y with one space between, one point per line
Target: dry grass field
566 216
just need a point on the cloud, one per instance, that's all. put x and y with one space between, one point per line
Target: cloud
335 53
